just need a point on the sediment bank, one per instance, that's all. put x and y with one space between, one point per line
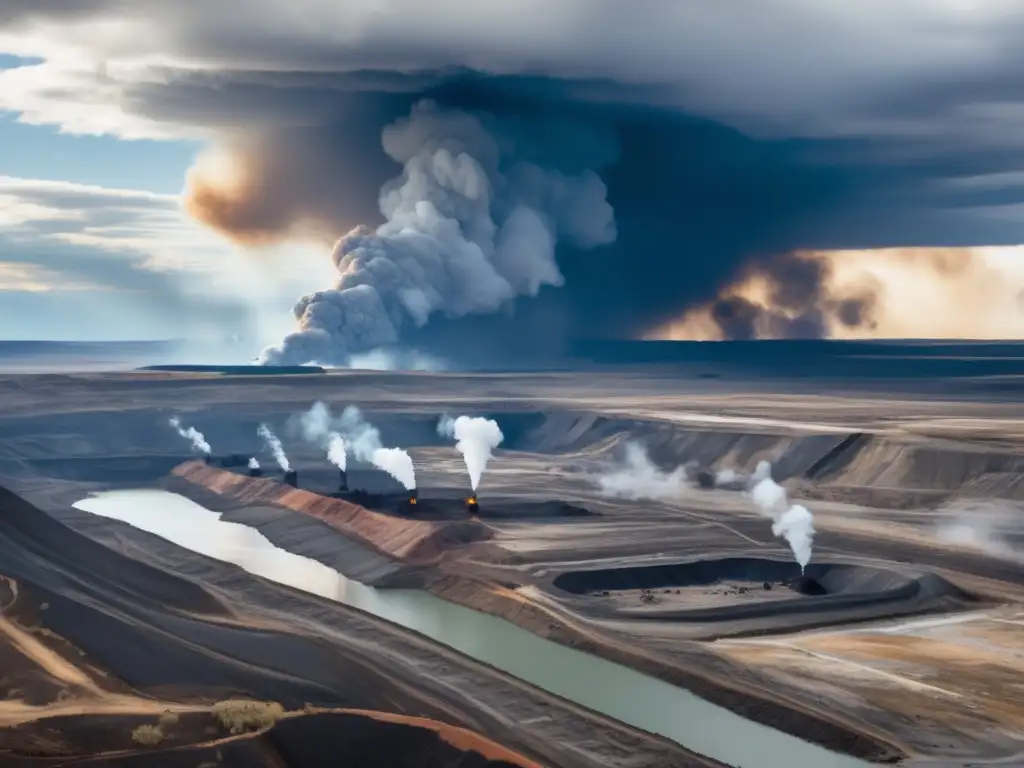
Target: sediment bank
411 542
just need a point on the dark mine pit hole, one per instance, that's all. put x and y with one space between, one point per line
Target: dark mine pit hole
805 585
839 585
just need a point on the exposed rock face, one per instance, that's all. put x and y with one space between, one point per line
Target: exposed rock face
409 541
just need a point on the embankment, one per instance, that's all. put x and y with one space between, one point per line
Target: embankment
690 666
410 542
880 470
240 733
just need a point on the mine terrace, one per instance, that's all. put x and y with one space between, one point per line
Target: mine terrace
262 568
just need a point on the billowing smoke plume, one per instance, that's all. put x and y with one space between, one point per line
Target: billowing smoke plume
396 463
793 523
476 438
470 226
275 447
351 432
316 428
361 437
316 423
637 477
941 293
992 527
191 434
253 464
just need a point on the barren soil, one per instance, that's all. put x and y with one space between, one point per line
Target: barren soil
881 471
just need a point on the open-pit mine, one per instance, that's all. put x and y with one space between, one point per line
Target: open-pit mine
611 570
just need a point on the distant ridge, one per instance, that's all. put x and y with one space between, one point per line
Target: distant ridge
28 346
886 358
723 350
237 370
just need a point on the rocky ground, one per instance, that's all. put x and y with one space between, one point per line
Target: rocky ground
926 488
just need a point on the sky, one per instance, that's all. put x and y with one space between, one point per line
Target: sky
321 181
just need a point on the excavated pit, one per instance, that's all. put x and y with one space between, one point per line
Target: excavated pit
739 588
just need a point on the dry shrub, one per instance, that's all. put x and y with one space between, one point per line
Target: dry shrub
167 719
241 715
148 735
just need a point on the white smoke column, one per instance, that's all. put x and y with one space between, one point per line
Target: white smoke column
396 463
363 440
275 447
639 478
316 423
253 464
476 438
191 434
793 523
470 225
336 450
318 427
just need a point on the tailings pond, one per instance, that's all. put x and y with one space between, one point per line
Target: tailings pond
610 689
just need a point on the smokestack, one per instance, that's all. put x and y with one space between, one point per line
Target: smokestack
473 506
255 471
291 477
414 496
342 480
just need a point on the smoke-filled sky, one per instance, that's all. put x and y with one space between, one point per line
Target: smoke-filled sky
519 173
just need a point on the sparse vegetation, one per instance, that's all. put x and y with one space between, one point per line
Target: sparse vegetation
167 719
148 735
241 715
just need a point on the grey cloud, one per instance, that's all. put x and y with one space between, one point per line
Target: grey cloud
806 69
470 224
719 143
89 237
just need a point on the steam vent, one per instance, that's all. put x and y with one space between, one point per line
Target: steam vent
342 480
291 477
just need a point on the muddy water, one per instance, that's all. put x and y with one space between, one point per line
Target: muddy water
610 689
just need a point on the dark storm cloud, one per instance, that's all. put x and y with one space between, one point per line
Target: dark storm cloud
826 125
695 203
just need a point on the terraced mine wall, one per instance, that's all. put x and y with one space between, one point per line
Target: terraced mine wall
859 467
410 542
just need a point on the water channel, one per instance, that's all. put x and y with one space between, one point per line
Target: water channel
613 690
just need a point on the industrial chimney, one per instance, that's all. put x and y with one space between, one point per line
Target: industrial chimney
255 472
342 480
291 477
